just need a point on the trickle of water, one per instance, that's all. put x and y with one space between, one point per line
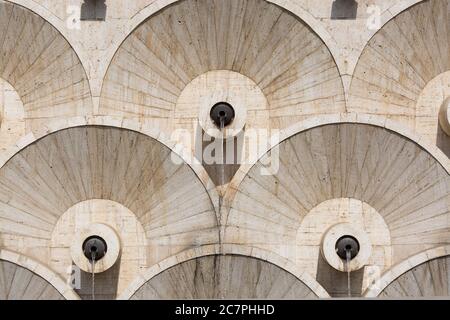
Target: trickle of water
93 276
348 256
222 123
222 142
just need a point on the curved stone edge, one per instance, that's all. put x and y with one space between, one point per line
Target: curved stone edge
288 5
444 116
392 12
39 269
231 249
116 122
399 269
293 7
60 26
340 118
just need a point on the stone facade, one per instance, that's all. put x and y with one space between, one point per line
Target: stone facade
105 123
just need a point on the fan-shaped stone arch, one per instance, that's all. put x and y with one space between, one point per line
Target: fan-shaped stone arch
421 275
429 279
42 181
18 283
41 66
402 182
397 72
260 40
222 277
24 278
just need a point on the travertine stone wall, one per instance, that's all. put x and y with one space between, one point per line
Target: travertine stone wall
224 277
48 177
296 66
427 111
18 283
350 211
12 124
133 241
430 279
400 60
363 162
289 63
41 66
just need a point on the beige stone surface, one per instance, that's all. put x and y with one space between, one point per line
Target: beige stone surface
360 218
18 283
74 165
41 66
391 174
429 279
12 124
428 109
224 277
400 61
132 241
88 110
288 62
195 101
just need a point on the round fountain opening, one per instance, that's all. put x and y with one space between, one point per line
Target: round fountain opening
347 247
94 248
222 114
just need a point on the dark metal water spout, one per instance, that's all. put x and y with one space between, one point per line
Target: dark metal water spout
94 249
347 248
347 243
222 114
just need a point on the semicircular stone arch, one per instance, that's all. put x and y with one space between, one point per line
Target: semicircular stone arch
42 181
399 64
407 187
429 279
275 49
19 283
224 277
41 66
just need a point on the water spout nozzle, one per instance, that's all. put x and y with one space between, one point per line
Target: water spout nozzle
222 114
94 248
347 247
